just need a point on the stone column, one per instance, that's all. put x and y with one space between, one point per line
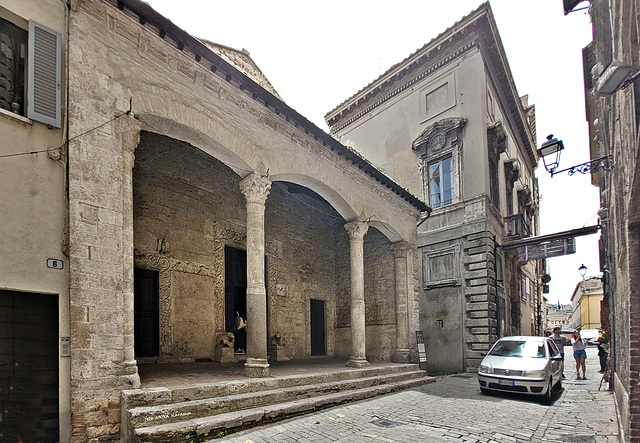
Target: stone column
356 230
256 188
130 137
402 324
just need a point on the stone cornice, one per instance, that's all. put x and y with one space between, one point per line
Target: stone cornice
475 31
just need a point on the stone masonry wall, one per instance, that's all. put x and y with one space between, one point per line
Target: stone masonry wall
479 290
179 194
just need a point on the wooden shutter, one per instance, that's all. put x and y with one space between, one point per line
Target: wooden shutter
44 80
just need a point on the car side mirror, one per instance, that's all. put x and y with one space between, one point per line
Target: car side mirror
483 354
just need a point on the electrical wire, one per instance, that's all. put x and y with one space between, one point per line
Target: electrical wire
67 142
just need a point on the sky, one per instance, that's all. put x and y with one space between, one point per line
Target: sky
318 54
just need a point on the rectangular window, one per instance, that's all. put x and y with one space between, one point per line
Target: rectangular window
13 55
440 183
30 71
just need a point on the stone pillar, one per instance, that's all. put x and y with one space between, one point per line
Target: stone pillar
256 188
402 324
130 139
356 230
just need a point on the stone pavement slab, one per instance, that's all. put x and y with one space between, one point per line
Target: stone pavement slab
453 410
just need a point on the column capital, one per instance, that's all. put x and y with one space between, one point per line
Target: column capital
400 249
356 229
255 188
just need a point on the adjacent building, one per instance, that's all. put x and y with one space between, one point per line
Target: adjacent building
558 315
448 124
152 185
586 302
612 85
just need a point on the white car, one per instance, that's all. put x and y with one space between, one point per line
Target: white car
590 335
528 365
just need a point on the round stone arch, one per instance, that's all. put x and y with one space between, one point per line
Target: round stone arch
194 137
332 196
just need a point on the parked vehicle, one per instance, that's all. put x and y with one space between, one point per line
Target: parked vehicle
590 335
528 365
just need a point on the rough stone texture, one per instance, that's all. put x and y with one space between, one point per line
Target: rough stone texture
180 207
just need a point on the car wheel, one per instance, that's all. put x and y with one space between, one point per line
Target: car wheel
548 396
558 386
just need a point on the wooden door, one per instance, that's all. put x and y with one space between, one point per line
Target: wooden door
146 319
28 367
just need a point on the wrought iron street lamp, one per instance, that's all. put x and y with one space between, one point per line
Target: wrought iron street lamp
583 270
550 153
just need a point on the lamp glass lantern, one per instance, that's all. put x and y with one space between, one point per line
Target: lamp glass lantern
583 270
550 153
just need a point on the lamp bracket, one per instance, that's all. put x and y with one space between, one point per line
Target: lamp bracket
604 163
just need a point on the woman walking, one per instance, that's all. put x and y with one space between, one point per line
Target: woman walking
579 353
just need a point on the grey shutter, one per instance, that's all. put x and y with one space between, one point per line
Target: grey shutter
44 84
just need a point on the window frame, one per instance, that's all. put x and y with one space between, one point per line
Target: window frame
42 86
441 162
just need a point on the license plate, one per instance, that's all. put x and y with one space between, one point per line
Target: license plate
506 382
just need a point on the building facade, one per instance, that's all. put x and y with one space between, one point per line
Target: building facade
612 85
448 124
558 315
169 188
586 302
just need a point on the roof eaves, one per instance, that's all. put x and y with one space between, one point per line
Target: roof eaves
233 75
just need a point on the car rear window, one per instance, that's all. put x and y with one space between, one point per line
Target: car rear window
519 348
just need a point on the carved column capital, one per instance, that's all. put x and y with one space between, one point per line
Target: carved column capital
357 229
255 188
400 249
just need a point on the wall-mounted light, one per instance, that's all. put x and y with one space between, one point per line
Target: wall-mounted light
550 153
583 270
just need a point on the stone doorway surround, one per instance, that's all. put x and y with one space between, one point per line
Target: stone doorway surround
165 265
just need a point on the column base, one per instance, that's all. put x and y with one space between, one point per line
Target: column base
357 362
256 367
401 356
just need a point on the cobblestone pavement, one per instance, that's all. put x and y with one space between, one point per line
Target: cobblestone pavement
453 410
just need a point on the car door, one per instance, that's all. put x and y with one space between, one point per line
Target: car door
555 364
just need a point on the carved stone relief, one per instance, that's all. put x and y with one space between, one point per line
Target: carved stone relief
165 265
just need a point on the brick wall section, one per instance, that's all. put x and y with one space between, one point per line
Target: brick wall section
634 332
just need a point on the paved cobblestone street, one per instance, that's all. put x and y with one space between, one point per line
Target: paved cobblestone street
453 409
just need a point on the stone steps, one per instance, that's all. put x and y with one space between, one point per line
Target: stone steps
161 414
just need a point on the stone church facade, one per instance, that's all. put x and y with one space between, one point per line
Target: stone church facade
448 124
182 189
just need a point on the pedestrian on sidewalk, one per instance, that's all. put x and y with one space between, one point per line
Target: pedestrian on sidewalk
580 354
560 341
603 349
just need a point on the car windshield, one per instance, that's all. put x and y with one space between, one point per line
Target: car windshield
519 348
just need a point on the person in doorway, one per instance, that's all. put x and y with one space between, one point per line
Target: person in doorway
580 354
241 333
560 341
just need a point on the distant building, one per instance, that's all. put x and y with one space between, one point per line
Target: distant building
558 315
448 124
586 303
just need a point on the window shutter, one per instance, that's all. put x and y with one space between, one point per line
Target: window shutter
44 87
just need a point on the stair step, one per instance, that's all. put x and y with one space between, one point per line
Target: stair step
158 396
238 420
174 412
